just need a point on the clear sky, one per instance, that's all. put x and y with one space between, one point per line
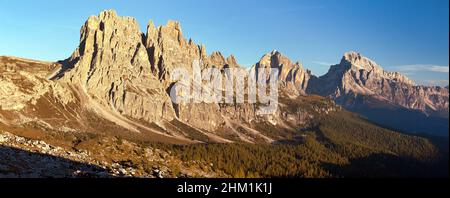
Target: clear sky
410 36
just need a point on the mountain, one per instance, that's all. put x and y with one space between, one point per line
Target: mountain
121 78
362 86
108 107
358 75
388 98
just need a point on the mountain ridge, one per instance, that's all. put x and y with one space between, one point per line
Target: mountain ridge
109 105
124 74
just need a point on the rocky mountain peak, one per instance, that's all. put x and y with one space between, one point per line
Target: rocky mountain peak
170 32
113 70
125 73
217 57
151 29
232 60
108 14
119 79
291 75
357 75
174 24
356 61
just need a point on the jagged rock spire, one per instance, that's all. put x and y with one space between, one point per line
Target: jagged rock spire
292 75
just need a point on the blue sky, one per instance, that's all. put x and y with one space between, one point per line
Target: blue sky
410 36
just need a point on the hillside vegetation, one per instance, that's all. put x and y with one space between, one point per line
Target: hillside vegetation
343 145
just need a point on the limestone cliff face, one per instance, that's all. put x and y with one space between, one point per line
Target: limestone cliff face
168 49
119 79
23 82
357 75
112 66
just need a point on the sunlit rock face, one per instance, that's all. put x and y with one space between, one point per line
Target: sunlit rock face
357 75
120 79
292 77
112 67
121 71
